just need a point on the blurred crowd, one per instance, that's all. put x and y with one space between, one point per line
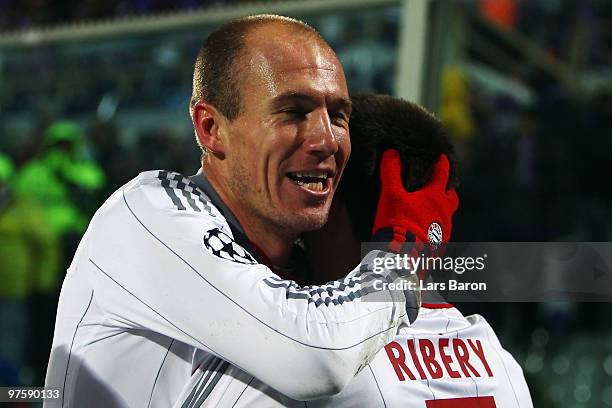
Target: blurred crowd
24 14
41 218
546 120
78 120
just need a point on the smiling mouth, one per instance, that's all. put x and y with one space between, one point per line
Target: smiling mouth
314 181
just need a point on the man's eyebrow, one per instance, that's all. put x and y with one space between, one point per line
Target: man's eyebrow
289 96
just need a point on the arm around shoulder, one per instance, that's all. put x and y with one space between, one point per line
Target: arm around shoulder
152 268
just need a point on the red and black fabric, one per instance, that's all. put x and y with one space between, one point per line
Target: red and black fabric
422 217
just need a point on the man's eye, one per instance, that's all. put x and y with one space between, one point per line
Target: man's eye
340 120
295 112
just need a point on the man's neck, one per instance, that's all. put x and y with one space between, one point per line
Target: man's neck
275 245
333 250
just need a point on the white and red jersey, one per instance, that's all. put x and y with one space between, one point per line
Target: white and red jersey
444 360
164 282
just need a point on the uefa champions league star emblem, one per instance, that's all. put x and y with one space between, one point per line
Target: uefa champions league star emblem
434 235
223 246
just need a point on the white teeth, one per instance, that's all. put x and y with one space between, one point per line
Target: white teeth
305 179
315 186
312 186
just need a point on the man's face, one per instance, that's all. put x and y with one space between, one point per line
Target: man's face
286 150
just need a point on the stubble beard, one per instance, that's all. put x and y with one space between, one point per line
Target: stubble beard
262 210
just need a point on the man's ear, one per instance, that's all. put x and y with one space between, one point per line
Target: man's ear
208 122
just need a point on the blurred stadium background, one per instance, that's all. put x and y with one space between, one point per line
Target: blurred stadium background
93 92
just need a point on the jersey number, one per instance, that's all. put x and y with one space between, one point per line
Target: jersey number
472 402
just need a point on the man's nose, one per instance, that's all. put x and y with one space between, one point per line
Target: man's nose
320 138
